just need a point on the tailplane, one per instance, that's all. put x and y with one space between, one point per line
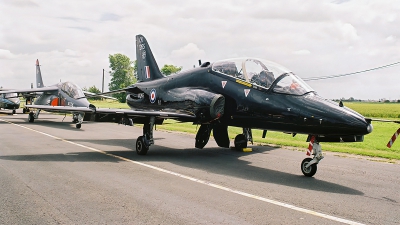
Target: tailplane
147 68
39 81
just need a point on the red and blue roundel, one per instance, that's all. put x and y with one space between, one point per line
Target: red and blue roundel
153 96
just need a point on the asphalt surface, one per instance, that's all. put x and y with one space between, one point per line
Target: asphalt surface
53 173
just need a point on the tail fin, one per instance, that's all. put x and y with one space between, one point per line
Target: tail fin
147 68
39 81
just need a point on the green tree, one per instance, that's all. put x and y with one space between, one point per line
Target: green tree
122 73
170 69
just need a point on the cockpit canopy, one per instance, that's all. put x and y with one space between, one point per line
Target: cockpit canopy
71 89
263 73
11 95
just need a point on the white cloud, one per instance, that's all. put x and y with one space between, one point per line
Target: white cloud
6 54
302 52
188 55
69 52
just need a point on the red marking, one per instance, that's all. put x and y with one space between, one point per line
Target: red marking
391 141
310 145
147 68
54 102
37 62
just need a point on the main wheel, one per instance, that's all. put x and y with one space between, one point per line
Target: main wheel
141 147
78 125
23 110
311 170
240 142
31 118
13 111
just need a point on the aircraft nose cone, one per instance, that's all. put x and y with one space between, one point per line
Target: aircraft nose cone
370 128
338 120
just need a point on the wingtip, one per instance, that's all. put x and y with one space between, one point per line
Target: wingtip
37 62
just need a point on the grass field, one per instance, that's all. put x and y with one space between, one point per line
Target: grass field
374 144
376 109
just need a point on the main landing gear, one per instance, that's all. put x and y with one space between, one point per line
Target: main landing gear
25 110
78 119
143 142
242 139
32 116
309 165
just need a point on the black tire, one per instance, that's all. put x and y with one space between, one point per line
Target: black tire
78 126
310 171
141 147
23 110
14 111
31 118
240 142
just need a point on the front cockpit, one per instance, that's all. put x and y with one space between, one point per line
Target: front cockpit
264 74
71 89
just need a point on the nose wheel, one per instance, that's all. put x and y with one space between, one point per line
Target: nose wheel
308 171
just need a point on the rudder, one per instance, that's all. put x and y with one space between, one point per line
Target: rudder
147 68
39 80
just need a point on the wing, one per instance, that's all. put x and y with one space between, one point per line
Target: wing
142 113
63 109
30 91
381 120
90 94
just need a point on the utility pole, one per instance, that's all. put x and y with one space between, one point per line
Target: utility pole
102 84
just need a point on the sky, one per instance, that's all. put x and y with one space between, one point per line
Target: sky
73 39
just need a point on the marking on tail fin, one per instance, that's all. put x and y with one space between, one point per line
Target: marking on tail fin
147 69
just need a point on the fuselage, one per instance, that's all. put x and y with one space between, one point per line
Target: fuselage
9 101
248 104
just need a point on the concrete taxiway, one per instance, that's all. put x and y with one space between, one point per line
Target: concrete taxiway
51 172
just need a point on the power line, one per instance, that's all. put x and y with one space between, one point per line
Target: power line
348 74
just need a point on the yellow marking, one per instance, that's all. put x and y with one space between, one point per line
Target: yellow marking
243 83
247 150
274 202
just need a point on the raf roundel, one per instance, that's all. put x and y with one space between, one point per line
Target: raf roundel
153 96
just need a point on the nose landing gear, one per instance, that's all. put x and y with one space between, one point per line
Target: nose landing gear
309 165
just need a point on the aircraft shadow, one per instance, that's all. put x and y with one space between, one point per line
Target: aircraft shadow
211 160
6 112
66 124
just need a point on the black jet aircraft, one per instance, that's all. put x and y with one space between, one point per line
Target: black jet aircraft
243 92
9 101
64 97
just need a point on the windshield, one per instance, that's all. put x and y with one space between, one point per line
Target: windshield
291 84
72 90
259 72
